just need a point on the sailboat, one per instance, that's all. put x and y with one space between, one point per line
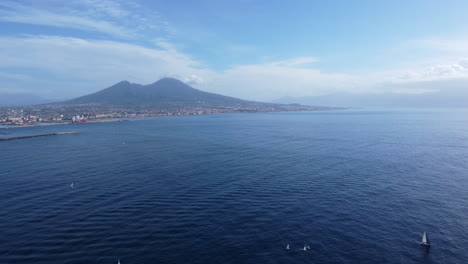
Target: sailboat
306 247
118 261
425 240
71 185
287 247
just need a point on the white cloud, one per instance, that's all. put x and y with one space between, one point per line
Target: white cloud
79 66
23 14
455 45
193 79
106 7
441 71
164 44
275 79
296 62
101 63
118 19
95 64
463 63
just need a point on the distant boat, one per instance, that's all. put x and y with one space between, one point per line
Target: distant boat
425 240
306 247
287 247
118 261
71 185
78 119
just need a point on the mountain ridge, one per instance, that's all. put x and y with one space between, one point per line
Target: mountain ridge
166 92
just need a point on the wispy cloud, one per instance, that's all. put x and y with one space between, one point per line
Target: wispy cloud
103 16
86 65
103 7
453 45
448 69
296 62
458 69
267 81
95 64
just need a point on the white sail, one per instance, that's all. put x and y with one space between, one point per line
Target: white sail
287 247
425 240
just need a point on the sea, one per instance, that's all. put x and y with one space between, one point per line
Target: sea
356 186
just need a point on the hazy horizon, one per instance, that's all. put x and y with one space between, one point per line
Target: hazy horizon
453 96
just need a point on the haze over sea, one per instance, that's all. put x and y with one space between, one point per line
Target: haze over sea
357 186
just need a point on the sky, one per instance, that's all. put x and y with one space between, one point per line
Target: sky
258 50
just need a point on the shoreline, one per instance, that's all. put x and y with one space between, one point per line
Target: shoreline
121 119
45 124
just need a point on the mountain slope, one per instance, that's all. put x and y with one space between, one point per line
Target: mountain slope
166 92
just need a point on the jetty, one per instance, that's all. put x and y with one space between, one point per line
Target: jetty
43 135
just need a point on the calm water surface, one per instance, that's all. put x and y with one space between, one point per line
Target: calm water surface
356 186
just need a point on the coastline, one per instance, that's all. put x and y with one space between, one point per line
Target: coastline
121 119
39 124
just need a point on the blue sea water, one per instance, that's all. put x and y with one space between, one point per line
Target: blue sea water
356 186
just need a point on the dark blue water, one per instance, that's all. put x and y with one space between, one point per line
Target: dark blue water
356 186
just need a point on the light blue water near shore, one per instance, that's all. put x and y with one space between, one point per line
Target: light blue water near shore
356 186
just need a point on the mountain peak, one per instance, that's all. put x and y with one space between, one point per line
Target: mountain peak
122 83
168 80
166 92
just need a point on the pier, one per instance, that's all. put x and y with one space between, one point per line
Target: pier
43 135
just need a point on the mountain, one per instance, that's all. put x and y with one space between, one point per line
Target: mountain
163 98
170 94
166 92
21 99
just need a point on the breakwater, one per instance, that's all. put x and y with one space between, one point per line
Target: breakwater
43 135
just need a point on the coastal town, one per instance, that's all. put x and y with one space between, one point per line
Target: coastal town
36 115
41 114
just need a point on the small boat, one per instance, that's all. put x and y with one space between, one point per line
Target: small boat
118 261
425 240
71 185
306 247
287 247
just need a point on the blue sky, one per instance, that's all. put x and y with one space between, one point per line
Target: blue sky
259 50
